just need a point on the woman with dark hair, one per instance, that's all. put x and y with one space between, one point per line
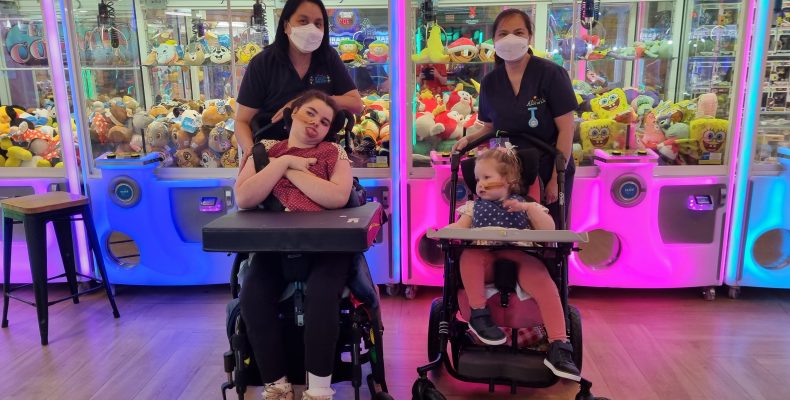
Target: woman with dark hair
300 59
528 95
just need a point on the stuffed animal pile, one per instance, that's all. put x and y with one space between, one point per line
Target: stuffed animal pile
683 133
186 134
29 138
442 120
371 133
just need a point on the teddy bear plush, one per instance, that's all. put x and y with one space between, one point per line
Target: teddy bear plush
187 158
230 158
219 139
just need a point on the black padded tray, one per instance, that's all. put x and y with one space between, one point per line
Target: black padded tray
348 230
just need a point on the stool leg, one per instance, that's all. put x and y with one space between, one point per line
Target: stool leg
36 235
94 244
66 244
8 232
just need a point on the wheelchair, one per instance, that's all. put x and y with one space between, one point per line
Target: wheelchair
361 327
509 364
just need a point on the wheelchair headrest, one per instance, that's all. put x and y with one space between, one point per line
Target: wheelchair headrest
529 169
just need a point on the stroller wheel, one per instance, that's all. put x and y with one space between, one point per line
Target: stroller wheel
423 389
576 336
433 329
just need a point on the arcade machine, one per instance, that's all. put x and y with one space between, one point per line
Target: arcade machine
30 145
654 141
160 80
759 244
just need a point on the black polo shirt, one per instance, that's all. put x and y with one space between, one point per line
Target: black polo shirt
271 81
546 93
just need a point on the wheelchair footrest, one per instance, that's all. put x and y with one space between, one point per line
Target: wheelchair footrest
524 367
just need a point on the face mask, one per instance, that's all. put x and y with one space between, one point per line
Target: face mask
511 47
306 38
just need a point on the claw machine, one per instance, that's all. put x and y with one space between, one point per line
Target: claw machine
156 79
31 156
659 84
361 32
759 244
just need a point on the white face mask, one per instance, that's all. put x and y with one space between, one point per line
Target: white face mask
306 38
511 47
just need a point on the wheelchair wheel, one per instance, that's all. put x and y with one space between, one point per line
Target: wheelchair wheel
423 389
433 329
576 335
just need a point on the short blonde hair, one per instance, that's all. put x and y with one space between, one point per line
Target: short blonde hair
507 164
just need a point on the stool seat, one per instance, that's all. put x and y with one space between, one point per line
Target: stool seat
35 212
39 203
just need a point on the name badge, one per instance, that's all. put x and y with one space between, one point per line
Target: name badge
320 79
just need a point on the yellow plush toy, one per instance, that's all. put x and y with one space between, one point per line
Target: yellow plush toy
434 51
246 52
604 134
711 134
613 105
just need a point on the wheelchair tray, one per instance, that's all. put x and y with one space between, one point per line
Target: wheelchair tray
509 235
348 230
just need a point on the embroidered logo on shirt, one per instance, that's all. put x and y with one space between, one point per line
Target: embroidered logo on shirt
536 101
320 79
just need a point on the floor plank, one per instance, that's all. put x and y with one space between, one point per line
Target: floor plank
168 344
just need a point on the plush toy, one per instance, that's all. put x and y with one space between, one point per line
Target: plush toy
141 120
486 51
711 135
434 50
219 139
377 52
613 105
220 55
158 111
200 140
349 50
453 126
167 53
180 138
426 126
246 52
427 101
216 113
209 159
659 49
195 54
460 101
604 134
100 128
120 137
462 50
642 105
707 105
578 45
187 158
157 135
230 158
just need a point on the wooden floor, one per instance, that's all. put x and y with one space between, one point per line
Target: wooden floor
638 345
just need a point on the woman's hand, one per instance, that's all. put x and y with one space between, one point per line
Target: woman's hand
460 144
299 163
552 191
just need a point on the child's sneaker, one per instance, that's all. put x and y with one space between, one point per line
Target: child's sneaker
481 324
308 396
278 391
559 359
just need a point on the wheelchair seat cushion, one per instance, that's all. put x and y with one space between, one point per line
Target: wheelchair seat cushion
519 314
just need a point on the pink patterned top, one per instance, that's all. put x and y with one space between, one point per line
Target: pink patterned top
327 154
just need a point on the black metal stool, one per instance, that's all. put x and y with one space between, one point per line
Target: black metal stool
34 212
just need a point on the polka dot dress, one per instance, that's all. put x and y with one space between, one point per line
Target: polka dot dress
327 154
491 213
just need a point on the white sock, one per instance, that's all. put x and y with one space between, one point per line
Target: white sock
319 385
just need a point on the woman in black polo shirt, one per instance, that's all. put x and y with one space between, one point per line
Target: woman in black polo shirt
528 95
299 59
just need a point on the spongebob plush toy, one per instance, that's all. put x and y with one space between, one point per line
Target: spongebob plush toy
613 105
711 134
604 134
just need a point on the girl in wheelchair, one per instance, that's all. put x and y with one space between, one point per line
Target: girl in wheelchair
306 172
498 204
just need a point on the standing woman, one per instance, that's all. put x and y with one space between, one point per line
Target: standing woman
299 59
528 95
